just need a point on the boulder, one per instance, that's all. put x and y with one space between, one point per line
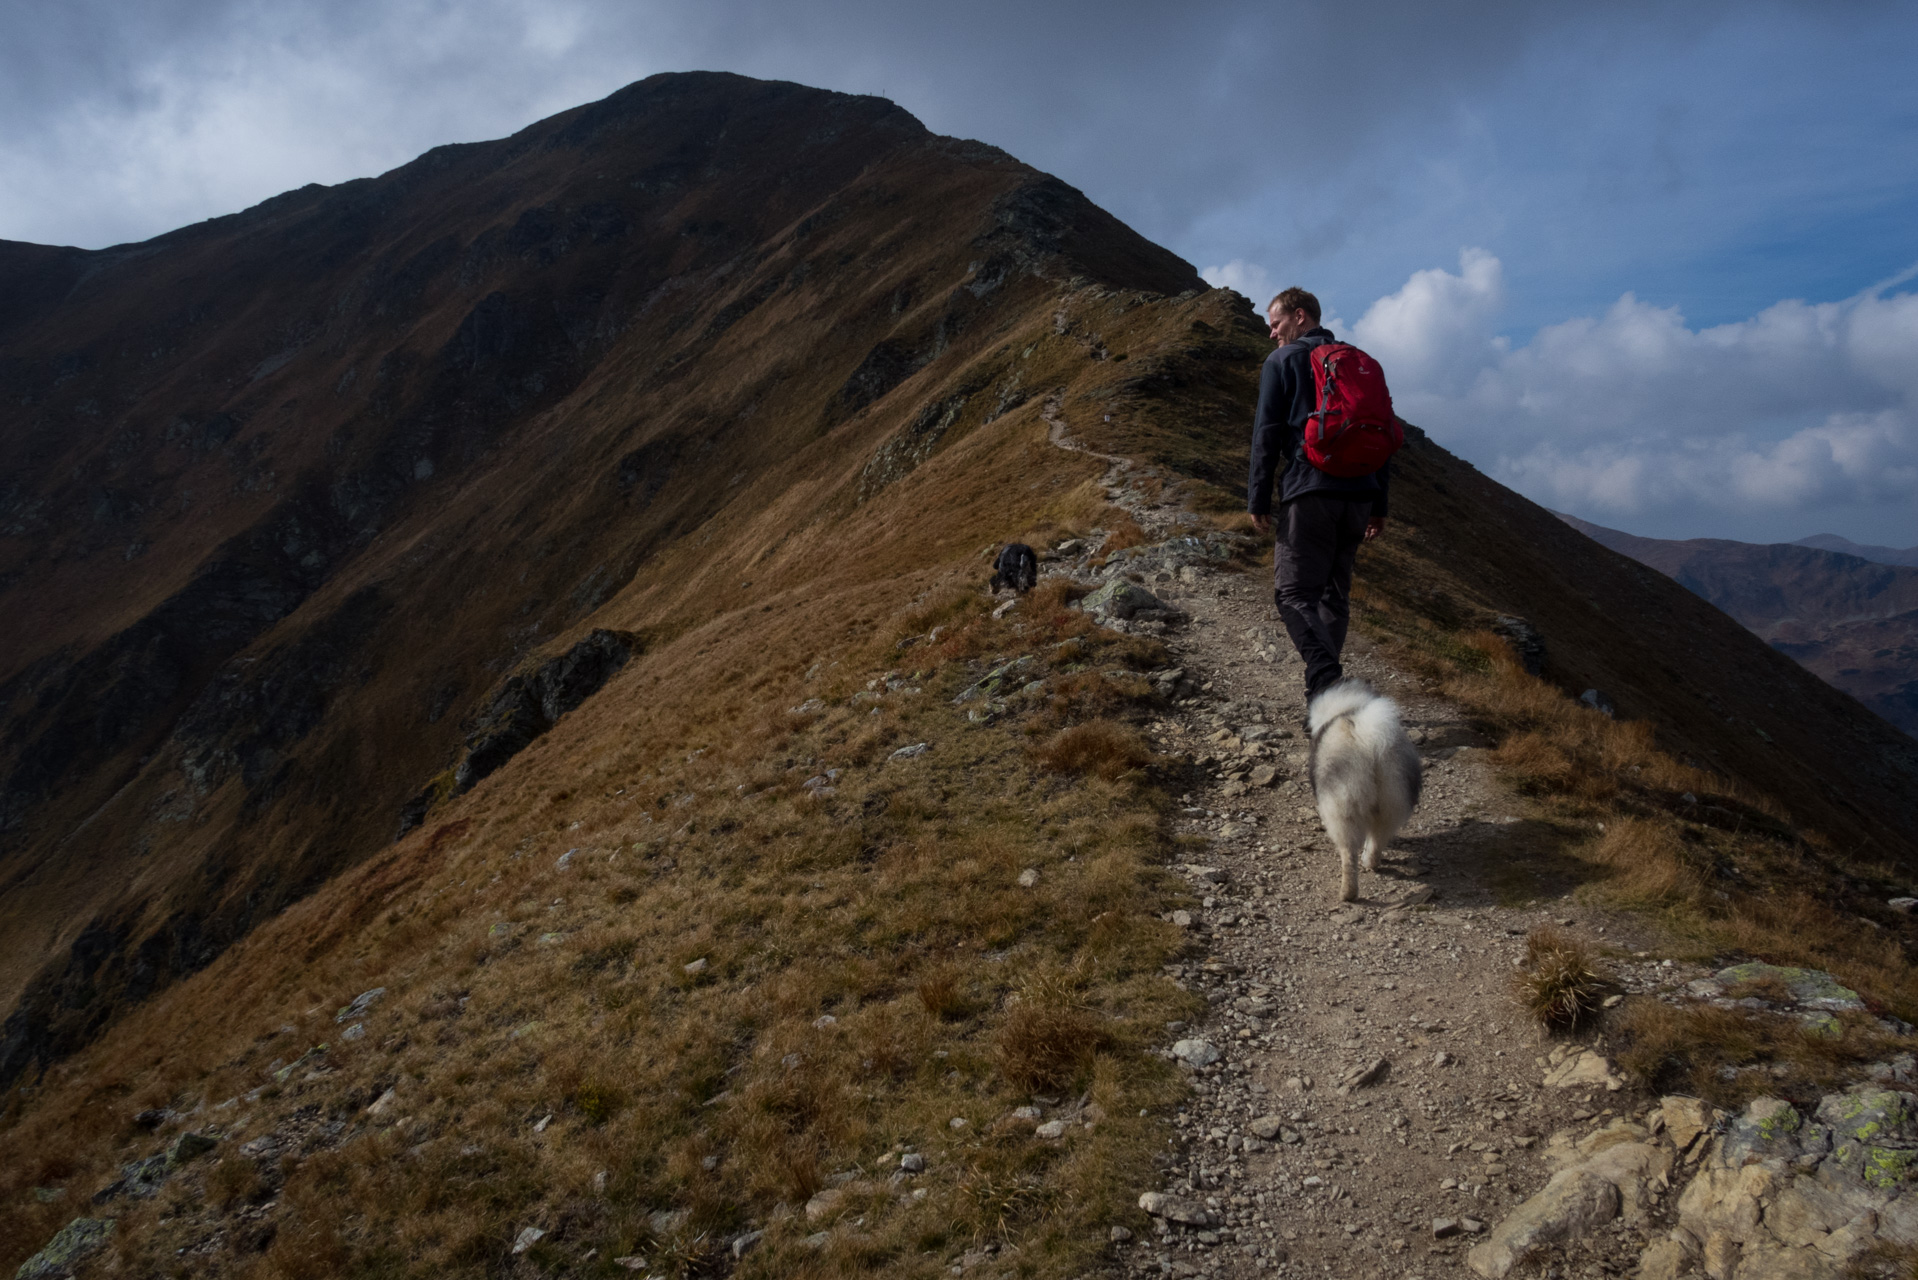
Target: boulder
1122 599
1684 1119
1583 1069
1572 1203
69 1247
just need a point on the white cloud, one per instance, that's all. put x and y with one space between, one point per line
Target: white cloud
1249 278
1805 414
1428 330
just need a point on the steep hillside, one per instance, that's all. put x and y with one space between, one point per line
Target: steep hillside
287 492
1852 620
604 513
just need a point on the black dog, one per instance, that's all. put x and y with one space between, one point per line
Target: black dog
1016 567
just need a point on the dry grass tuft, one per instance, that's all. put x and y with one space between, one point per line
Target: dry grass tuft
1125 532
939 995
1559 985
235 1180
1048 1040
1102 747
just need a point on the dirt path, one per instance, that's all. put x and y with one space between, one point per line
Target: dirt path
1305 1174
1305 991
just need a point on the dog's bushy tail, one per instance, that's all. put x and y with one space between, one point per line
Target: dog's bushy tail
1347 697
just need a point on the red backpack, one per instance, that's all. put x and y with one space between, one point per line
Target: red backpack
1354 431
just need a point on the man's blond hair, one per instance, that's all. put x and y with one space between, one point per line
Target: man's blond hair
1295 299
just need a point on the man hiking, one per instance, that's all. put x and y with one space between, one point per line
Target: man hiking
1322 516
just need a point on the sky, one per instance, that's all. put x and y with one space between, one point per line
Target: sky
1650 263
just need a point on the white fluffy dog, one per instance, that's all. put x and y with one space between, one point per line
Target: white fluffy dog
1365 774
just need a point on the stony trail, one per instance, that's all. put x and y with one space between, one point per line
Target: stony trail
1312 1175
1303 1172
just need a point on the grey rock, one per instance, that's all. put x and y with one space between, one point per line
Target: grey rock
1051 1129
743 1243
997 681
1598 702
907 753
1906 905
1444 1228
694 967
1028 877
1122 599
1267 1127
1119 1235
73 1244
912 1162
1176 1209
1811 988
361 1003
189 1146
527 1239
1365 1077
1199 1053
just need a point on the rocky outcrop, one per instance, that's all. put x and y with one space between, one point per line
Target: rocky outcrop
76 1241
523 708
1776 1195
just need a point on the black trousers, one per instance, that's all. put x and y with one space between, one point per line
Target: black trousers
1319 539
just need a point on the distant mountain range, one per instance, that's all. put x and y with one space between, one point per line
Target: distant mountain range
1845 546
1846 612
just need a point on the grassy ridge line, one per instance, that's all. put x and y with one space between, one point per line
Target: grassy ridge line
917 866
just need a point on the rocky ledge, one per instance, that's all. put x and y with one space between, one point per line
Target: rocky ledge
1773 1194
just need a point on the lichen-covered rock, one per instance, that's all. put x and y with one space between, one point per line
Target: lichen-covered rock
1873 1136
67 1249
996 681
1784 1197
1122 599
1810 988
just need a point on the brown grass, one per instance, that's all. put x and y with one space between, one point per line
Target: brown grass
1049 1040
1558 984
1730 1056
1103 748
1121 533
517 990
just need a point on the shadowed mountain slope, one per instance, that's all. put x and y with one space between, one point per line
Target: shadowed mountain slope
288 491
1851 620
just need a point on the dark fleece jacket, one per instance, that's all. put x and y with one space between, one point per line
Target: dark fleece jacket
1287 398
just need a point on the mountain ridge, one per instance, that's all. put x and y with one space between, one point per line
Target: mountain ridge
327 362
1851 620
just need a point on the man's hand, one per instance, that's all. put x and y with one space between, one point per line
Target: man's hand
1264 524
1374 527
